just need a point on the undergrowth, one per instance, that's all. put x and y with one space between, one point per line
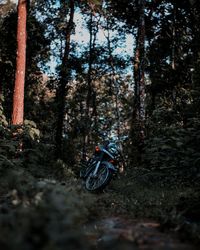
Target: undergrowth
139 195
44 206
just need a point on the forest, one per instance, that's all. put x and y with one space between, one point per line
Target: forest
75 75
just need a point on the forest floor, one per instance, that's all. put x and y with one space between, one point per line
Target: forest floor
124 233
131 213
119 226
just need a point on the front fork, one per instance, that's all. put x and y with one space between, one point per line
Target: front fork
94 173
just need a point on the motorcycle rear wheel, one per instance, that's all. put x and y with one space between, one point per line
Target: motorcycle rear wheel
98 182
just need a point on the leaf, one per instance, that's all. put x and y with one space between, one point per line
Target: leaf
30 123
163 147
179 144
34 133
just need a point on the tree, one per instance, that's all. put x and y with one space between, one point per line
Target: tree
37 57
139 76
195 16
64 78
18 98
90 90
170 54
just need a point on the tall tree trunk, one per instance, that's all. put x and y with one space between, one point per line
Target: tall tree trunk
64 78
89 90
91 94
18 98
114 82
173 35
139 78
141 71
195 16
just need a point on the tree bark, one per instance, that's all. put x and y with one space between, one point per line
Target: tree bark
64 78
18 98
114 82
90 110
89 90
174 35
138 118
139 102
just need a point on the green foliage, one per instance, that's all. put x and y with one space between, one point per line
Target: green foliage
8 149
31 129
3 121
38 46
127 11
20 148
174 149
38 213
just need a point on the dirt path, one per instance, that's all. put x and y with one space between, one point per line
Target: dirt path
123 234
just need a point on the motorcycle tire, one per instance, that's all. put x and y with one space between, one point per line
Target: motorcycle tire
101 179
85 172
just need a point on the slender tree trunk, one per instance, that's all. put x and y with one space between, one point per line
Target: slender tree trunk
139 78
142 77
173 35
18 98
89 90
1 81
195 16
114 82
139 105
91 94
137 85
64 78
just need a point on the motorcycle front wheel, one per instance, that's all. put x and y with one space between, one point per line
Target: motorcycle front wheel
100 180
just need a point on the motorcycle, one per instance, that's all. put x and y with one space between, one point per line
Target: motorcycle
100 168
